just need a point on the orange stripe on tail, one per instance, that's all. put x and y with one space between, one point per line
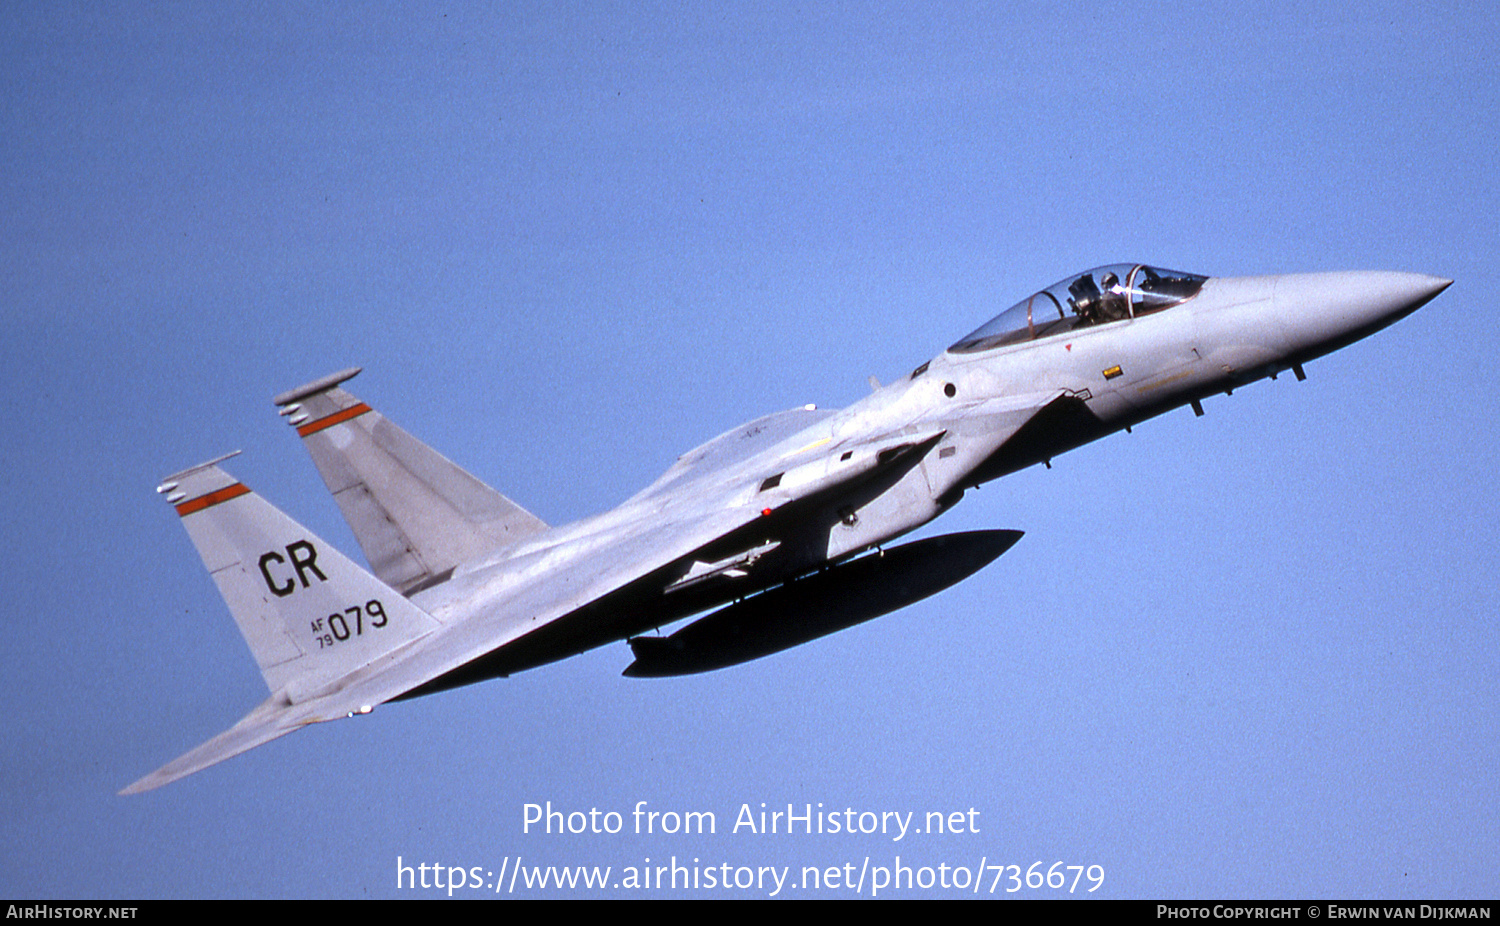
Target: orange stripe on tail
211 499
328 421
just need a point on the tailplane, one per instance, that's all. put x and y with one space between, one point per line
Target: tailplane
416 515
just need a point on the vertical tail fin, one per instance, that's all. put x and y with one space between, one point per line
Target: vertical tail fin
416 515
309 614
313 619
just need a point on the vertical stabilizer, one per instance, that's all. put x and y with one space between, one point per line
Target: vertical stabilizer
310 615
313 619
416 515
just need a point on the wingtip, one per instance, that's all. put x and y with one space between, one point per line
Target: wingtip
148 782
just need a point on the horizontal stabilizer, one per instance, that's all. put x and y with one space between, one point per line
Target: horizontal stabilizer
267 722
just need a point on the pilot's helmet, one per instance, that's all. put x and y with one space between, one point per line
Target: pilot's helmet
1110 280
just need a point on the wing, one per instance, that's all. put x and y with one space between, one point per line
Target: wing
686 547
556 605
737 445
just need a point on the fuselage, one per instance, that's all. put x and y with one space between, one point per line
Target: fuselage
465 584
1091 355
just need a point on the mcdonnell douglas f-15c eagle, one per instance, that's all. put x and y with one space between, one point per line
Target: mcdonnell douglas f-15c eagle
765 522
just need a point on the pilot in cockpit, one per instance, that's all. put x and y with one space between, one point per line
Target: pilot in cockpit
1084 295
1113 305
1095 307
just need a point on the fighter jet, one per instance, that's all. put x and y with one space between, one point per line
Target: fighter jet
780 524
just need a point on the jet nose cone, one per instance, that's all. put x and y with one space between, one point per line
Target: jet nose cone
1325 311
1395 294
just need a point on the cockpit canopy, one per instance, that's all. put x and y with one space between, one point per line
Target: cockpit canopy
1104 294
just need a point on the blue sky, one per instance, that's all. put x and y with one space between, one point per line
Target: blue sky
1247 655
